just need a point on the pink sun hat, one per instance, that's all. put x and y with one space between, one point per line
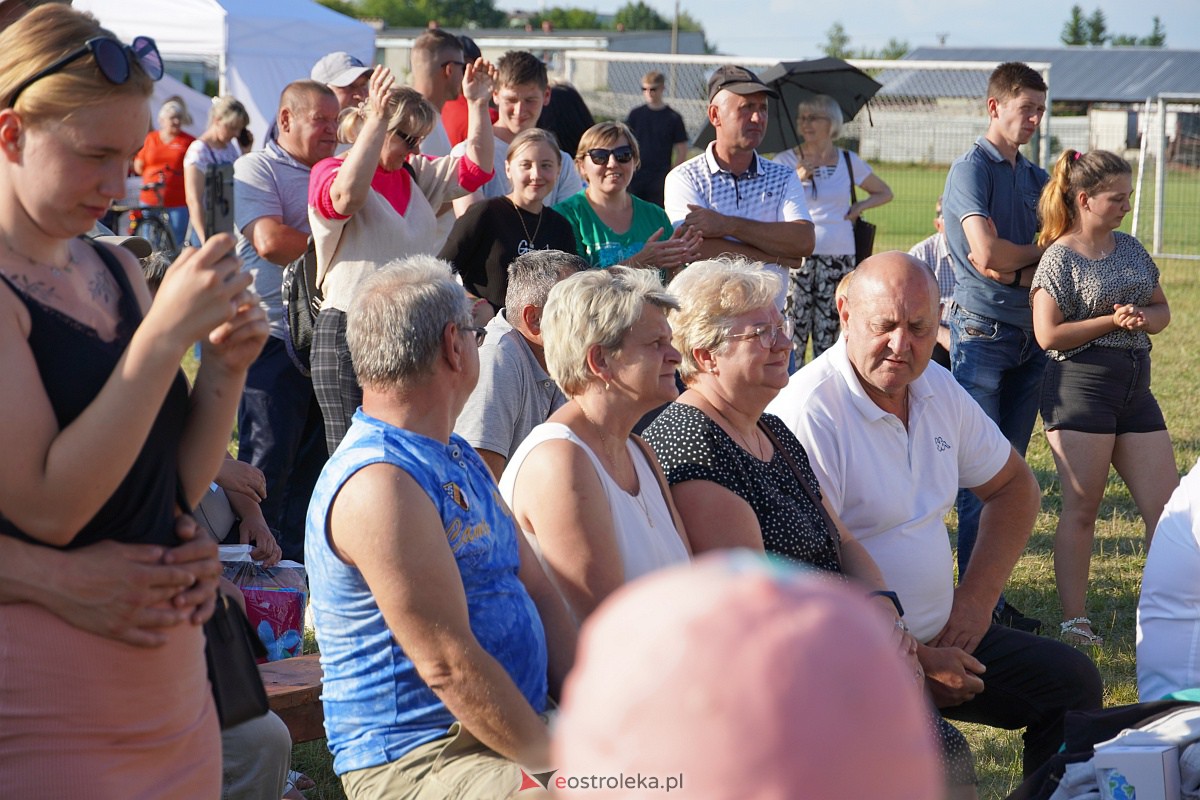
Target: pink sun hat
734 678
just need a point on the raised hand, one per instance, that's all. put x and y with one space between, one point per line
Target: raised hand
479 80
381 83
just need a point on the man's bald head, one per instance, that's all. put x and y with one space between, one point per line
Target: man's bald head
890 312
307 120
888 271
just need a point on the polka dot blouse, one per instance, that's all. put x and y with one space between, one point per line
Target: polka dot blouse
692 447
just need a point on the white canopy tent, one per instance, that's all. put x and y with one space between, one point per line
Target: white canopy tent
260 46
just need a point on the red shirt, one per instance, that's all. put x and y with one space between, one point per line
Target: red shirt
454 118
164 162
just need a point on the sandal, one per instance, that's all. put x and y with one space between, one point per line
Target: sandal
297 782
1073 634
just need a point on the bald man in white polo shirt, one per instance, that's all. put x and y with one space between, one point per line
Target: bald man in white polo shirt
892 438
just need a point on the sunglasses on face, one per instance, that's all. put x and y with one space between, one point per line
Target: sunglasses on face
413 142
599 155
114 60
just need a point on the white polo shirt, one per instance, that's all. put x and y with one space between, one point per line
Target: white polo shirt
892 487
766 192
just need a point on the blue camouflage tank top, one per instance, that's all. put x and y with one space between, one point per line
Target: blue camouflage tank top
377 708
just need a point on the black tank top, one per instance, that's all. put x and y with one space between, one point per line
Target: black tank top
75 363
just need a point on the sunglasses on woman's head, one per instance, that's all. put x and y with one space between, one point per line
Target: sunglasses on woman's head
599 155
114 60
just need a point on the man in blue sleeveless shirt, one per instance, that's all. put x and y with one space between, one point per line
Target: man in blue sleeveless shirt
436 624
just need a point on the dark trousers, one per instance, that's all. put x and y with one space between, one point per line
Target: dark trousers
1031 682
281 432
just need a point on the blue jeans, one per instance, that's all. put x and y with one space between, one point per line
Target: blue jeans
280 431
1000 365
179 222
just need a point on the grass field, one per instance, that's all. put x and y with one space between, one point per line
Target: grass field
1119 551
909 217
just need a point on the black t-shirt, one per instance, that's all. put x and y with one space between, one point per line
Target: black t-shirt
486 239
657 133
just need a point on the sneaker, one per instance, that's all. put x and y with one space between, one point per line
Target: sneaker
1008 616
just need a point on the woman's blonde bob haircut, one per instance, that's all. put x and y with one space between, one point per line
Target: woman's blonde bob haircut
408 112
711 295
597 307
41 37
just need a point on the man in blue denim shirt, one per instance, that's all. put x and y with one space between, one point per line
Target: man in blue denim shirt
990 211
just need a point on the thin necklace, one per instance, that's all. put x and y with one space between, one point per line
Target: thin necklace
57 272
536 228
604 447
1081 244
757 452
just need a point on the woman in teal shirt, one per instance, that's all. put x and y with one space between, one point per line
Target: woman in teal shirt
611 225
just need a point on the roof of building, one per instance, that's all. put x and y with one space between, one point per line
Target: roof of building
1087 74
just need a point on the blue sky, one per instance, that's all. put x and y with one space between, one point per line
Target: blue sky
796 28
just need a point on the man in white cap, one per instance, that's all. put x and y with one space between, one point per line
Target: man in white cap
346 75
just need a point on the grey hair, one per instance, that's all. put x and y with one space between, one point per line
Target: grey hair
824 104
596 307
532 275
395 322
711 294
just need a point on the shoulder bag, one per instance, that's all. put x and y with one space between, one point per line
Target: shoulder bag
864 232
808 489
301 302
230 652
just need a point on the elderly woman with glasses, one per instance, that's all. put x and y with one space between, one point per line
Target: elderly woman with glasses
611 225
739 477
588 494
378 201
828 175
103 440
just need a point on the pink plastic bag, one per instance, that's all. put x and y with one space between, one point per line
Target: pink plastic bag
275 599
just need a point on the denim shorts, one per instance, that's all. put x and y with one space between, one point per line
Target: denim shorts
1101 390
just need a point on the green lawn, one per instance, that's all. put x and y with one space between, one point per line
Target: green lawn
1119 552
909 217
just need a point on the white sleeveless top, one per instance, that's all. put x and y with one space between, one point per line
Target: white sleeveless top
645 530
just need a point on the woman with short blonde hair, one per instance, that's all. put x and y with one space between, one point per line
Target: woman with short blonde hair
217 145
379 201
587 493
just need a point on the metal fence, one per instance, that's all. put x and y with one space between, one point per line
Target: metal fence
927 114
1166 213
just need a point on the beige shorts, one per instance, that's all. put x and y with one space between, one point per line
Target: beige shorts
454 766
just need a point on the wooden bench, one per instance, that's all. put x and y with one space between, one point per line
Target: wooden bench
294 692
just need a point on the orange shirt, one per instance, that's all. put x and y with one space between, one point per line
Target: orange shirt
164 161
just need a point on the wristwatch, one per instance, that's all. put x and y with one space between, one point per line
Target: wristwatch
890 595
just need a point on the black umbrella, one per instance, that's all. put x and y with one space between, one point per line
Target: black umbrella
797 81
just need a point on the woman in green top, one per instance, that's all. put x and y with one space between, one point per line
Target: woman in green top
611 225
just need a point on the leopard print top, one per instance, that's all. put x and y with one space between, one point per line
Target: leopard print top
1084 288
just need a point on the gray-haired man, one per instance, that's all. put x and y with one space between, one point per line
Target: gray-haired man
514 393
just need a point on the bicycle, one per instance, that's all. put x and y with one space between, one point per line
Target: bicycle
151 222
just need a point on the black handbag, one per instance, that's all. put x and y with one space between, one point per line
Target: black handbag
864 232
301 302
231 649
